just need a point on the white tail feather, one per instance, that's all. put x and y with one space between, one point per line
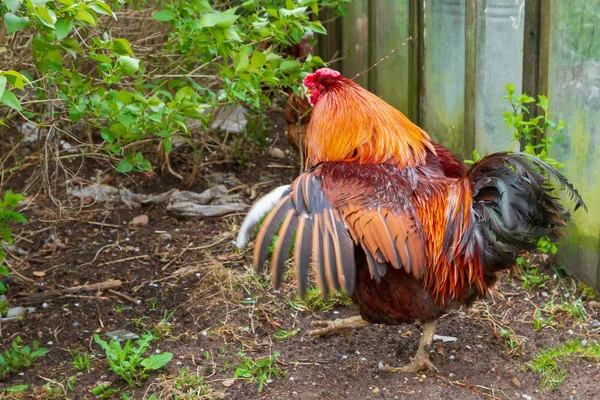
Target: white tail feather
257 212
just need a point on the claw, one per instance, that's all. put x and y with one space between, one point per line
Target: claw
419 364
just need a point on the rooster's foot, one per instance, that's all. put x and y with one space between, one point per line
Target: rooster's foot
338 327
421 360
420 363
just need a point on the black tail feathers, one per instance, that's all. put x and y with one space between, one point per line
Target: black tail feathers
513 205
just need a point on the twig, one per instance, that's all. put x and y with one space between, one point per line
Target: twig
37 297
383 58
124 259
124 296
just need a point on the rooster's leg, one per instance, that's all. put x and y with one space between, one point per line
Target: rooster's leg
339 326
421 360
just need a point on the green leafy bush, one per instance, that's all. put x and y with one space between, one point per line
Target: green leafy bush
139 87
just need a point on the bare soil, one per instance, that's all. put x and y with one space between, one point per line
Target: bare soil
220 309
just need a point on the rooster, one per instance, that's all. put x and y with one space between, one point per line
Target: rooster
394 219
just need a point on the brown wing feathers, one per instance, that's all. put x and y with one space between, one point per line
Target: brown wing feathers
306 215
324 230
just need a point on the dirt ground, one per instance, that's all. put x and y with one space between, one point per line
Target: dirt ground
184 279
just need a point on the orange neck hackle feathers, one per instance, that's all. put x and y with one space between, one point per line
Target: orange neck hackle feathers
349 123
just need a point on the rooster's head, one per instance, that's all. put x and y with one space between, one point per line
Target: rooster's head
320 82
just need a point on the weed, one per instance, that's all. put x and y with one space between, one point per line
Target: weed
81 361
164 327
260 370
532 277
551 363
315 301
574 309
539 322
17 356
58 389
285 335
513 342
186 386
104 391
128 362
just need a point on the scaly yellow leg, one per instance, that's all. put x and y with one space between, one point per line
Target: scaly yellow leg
421 360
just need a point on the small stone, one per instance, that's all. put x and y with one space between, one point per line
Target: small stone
122 335
165 236
594 324
516 382
276 152
44 305
292 378
228 382
445 338
452 357
526 397
140 220
376 390
75 324
421 380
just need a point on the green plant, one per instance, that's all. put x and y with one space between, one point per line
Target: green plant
551 363
187 386
81 360
140 98
285 335
7 214
539 322
260 370
164 327
314 300
59 389
128 361
539 128
17 356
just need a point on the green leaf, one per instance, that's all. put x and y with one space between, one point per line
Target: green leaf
164 15
129 65
218 20
296 12
46 16
10 100
85 16
2 84
13 5
240 60
14 23
63 28
156 361
3 270
122 47
202 6
14 216
289 65
258 59
102 8
16 389
124 166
